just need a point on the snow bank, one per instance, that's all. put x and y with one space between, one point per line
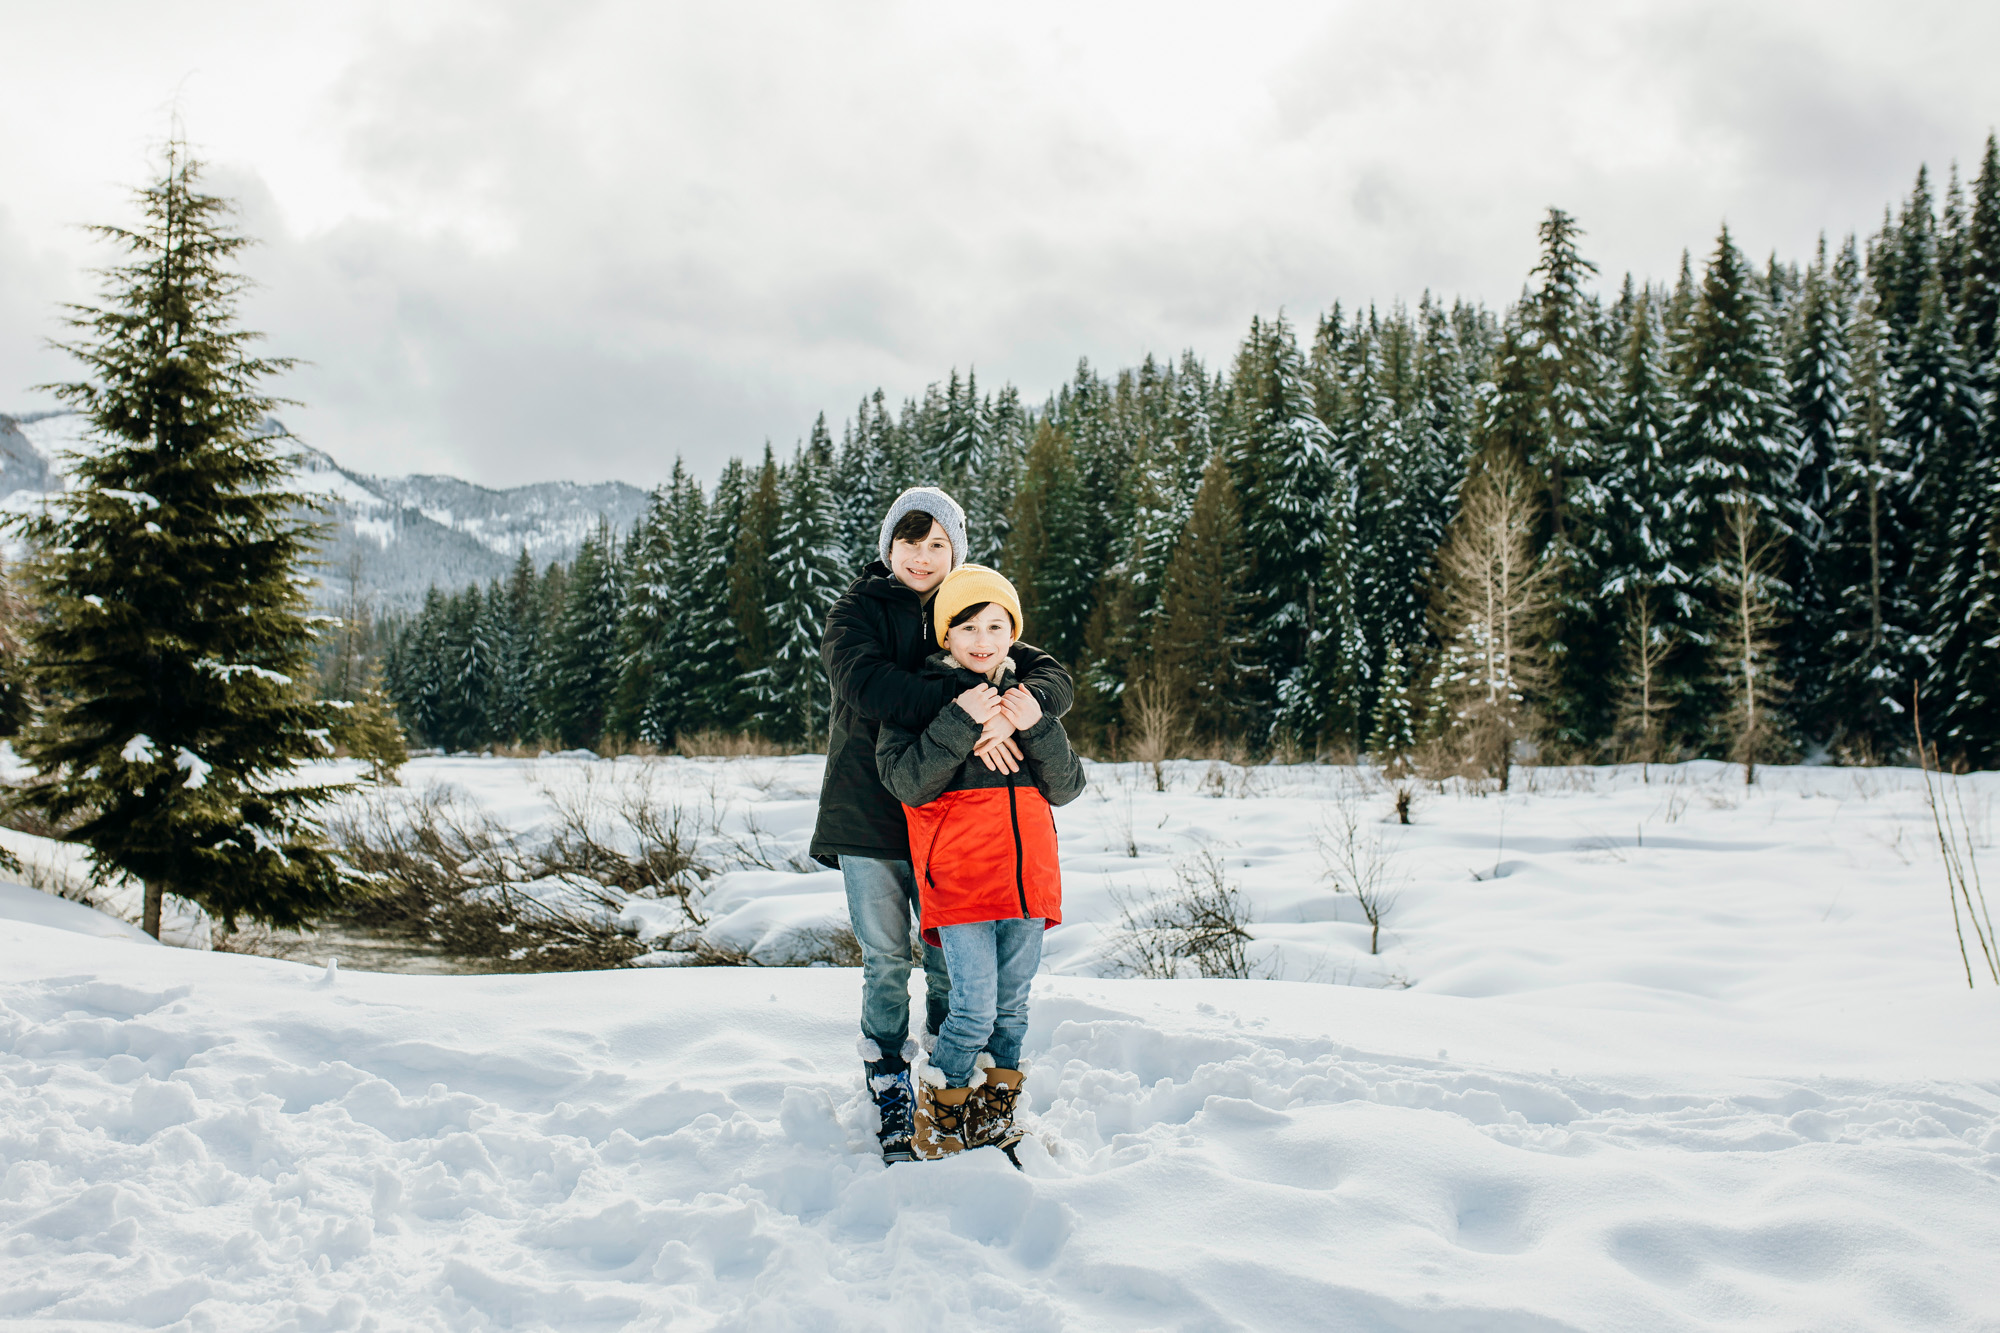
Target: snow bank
21 903
1651 1055
219 1142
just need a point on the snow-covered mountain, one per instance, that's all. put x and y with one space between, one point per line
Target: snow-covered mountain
394 536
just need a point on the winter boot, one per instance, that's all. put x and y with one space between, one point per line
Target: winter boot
943 1116
895 1103
993 1118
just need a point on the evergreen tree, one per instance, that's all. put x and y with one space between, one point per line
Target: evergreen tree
751 583
713 671
518 649
675 677
1566 451
1048 551
1733 445
173 640
1201 648
790 690
584 653
1821 379
649 605
1968 599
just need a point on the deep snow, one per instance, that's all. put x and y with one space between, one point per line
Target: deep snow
1693 1058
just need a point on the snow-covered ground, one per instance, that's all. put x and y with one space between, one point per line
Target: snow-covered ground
1665 1055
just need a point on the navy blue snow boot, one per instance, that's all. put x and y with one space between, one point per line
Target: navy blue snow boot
895 1102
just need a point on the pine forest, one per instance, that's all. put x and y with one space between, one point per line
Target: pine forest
1752 513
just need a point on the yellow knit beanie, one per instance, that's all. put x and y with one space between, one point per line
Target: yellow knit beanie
973 585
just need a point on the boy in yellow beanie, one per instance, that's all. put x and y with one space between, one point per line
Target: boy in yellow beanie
983 845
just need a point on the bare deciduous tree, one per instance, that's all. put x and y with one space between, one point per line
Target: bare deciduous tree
1490 604
1748 591
1642 703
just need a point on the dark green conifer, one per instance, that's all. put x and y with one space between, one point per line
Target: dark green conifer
173 641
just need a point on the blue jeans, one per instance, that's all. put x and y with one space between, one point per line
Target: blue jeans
992 966
882 905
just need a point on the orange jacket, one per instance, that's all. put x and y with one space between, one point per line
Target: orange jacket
983 844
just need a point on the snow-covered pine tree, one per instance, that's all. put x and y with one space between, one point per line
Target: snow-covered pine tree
584 649
1967 721
519 647
1733 445
1566 450
1394 733
1047 555
649 603
1653 598
1820 385
1298 520
673 705
790 691
469 670
713 671
751 585
173 636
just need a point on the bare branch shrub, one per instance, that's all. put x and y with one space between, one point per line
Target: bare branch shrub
714 744
1154 725
1357 862
1201 927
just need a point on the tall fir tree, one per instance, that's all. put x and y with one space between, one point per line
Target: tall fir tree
1734 446
1201 646
173 642
1048 550
1820 385
750 573
584 653
714 671
808 574
1566 450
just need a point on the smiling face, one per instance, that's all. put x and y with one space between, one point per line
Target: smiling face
980 643
922 564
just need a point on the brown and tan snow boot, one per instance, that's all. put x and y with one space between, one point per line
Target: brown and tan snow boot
943 1118
993 1119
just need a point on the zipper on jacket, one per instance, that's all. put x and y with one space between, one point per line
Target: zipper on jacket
1014 817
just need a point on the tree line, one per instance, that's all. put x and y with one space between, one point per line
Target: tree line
1753 512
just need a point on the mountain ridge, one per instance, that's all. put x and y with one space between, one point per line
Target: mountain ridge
389 539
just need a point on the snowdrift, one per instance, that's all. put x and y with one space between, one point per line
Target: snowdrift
1715 1072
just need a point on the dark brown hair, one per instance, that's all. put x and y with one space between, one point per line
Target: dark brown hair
912 527
969 612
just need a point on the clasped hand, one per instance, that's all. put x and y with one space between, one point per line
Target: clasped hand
1000 716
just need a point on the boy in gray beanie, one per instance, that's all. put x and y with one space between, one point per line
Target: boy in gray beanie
877 637
943 510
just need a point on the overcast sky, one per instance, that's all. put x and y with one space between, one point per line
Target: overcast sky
520 242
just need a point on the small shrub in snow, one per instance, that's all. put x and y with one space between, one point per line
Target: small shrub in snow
1357 862
1200 929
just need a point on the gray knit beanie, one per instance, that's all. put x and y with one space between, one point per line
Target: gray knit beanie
932 501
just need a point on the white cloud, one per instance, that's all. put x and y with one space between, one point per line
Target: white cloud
523 241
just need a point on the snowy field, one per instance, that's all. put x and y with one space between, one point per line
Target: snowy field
1652 1056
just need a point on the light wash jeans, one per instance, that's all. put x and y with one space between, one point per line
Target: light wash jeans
882 905
992 966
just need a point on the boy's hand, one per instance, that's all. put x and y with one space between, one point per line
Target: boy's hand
1020 707
980 703
997 748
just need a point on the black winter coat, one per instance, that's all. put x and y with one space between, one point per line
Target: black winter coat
877 637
